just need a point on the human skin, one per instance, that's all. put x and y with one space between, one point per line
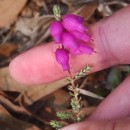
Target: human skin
112 44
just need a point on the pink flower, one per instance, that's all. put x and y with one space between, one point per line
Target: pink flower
73 22
78 18
69 41
71 34
56 30
62 58
83 49
81 35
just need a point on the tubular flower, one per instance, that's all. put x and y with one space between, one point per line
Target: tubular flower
56 30
70 32
76 17
83 49
72 22
69 41
81 36
62 58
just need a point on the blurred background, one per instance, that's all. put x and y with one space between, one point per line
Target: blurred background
25 24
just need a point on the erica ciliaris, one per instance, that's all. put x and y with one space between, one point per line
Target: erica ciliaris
71 35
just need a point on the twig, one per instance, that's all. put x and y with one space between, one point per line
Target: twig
88 93
75 101
11 106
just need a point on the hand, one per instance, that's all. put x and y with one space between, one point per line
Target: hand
112 44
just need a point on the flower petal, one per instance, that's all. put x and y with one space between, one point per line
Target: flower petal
69 41
56 29
78 18
62 58
83 49
73 22
81 35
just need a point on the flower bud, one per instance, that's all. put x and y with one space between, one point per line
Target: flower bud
69 41
62 58
81 35
73 22
56 29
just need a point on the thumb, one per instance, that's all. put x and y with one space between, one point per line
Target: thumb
112 44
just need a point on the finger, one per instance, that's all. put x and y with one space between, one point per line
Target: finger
111 41
100 125
111 114
116 105
38 65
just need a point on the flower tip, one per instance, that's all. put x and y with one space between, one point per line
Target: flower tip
81 35
83 49
62 58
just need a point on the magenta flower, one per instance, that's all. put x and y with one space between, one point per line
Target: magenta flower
56 30
73 22
76 17
82 36
69 41
83 49
62 58
71 34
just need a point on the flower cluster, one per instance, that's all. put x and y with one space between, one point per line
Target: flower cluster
70 33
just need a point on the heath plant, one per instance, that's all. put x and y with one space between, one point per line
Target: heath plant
70 35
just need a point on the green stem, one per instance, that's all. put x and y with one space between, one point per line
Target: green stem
76 98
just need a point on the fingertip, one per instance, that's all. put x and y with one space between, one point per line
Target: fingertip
19 71
36 66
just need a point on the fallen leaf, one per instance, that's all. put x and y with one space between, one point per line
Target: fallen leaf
7 83
62 98
35 93
29 94
7 48
9 10
7 122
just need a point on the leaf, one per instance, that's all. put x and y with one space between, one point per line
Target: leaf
90 94
7 49
35 93
9 84
29 94
7 122
9 10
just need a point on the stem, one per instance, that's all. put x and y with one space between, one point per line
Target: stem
76 98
